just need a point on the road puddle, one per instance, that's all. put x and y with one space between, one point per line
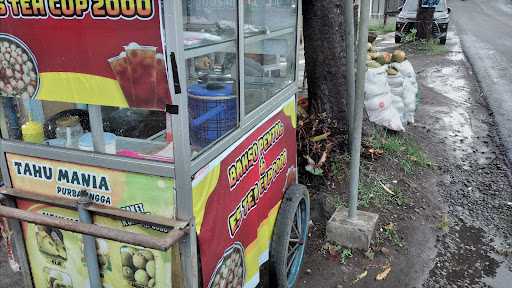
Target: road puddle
453 119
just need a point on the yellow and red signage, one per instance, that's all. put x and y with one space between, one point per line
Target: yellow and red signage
103 52
237 197
57 256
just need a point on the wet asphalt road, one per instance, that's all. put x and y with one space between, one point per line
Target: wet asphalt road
485 28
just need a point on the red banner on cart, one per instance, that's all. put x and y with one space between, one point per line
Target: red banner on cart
237 197
102 52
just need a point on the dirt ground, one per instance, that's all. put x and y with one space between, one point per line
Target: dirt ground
454 227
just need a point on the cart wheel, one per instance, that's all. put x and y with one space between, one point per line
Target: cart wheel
289 237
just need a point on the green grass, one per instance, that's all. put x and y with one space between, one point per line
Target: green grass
345 254
402 149
392 234
431 47
372 194
380 28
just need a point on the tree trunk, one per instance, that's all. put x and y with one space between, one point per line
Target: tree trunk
425 17
324 49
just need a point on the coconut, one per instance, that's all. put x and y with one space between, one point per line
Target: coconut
392 71
398 56
387 57
374 55
380 59
373 64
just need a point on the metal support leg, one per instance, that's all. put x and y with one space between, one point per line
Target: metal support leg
349 44
358 107
90 250
96 121
19 248
188 254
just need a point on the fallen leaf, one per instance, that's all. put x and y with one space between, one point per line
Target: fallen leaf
360 276
382 275
320 137
323 159
386 189
310 161
314 170
390 226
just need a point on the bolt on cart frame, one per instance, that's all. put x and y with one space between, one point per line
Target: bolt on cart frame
246 176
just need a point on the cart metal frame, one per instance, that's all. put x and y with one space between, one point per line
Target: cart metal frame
182 170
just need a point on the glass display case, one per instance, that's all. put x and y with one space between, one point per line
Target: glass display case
237 58
238 55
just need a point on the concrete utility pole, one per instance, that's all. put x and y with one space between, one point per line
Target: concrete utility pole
350 227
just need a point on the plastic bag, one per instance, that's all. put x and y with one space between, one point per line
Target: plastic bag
410 89
376 82
396 84
405 69
378 102
388 118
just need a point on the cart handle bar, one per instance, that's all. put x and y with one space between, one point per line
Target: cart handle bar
96 209
162 244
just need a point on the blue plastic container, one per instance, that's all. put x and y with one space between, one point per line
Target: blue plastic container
213 112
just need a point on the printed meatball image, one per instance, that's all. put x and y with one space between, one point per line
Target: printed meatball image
138 267
18 68
230 271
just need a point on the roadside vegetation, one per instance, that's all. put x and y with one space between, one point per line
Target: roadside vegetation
422 47
390 161
379 28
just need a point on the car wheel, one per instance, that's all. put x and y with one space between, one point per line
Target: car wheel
398 39
289 237
442 40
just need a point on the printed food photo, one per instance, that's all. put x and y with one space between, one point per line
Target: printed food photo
18 68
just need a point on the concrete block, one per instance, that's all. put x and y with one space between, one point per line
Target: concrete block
352 233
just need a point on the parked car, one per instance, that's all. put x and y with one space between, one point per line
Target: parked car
406 20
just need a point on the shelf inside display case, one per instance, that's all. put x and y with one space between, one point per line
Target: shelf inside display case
227 45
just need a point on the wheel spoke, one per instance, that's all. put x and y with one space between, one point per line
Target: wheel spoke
299 220
293 250
295 229
290 263
292 240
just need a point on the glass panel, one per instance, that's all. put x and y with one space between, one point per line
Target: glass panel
270 40
269 67
134 133
212 69
263 16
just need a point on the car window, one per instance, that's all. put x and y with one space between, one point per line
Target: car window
412 5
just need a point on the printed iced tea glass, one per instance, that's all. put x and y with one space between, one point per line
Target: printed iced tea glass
163 94
121 68
142 61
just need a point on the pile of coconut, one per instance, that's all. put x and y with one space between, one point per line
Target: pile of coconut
377 59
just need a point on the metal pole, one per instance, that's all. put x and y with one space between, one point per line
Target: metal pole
90 250
96 121
358 107
349 44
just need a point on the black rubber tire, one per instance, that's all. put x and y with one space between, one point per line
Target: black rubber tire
398 39
281 235
442 40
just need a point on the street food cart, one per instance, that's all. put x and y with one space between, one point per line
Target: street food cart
151 143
